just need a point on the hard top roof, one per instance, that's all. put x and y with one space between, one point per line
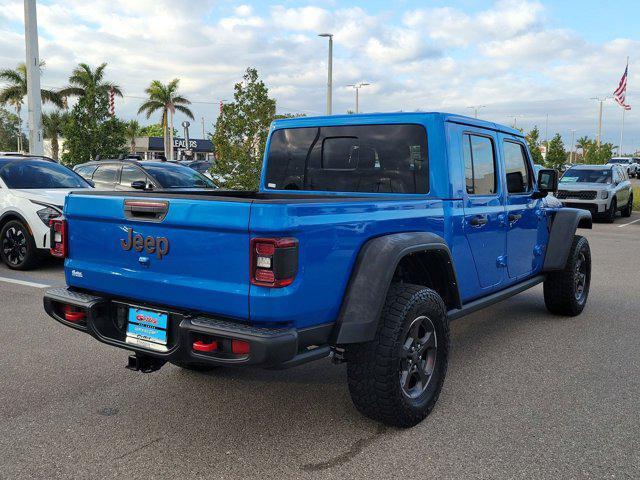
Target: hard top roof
389 117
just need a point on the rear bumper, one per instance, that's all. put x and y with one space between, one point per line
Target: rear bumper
275 347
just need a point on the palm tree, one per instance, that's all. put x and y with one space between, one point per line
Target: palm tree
16 89
165 99
583 144
131 131
53 123
89 84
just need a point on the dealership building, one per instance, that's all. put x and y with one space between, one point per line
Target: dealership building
198 149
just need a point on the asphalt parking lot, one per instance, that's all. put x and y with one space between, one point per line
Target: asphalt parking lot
528 395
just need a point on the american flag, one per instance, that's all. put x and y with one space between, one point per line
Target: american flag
621 92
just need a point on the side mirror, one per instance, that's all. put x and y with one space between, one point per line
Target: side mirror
139 185
547 183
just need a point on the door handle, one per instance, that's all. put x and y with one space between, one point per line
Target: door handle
514 217
479 221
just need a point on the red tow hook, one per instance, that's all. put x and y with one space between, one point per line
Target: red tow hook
71 314
200 346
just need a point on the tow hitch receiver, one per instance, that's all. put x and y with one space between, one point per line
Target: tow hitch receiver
144 363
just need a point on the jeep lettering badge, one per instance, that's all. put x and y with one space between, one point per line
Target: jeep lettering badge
157 245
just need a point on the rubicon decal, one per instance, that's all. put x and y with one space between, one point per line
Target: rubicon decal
157 245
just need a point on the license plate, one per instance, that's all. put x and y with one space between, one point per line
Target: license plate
147 328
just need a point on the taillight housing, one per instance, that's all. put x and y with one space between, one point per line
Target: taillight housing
274 261
58 237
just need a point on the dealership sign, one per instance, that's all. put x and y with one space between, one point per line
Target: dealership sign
196 145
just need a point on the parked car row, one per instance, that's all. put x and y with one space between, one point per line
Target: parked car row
33 189
630 164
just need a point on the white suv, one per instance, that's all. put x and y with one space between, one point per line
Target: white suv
629 164
602 189
32 191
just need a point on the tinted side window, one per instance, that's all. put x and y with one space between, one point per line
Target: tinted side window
515 159
130 174
479 165
350 158
86 171
105 174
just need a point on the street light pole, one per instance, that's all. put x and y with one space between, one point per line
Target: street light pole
599 136
329 71
475 109
573 145
357 87
36 144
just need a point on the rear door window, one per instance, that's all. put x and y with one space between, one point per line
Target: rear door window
130 174
479 164
350 158
517 169
105 175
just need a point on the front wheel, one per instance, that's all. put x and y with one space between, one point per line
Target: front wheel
566 291
18 249
397 377
626 211
610 215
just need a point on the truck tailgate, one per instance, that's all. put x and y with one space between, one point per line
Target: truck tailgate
195 256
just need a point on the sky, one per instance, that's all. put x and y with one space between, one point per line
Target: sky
522 60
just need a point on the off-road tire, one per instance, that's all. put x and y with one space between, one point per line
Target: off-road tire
28 257
374 369
610 215
560 288
195 367
626 211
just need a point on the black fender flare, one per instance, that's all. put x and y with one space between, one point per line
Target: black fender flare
371 277
563 228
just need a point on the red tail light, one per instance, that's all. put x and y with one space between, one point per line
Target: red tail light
73 314
58 240
274 261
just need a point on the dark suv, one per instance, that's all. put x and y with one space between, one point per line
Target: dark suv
141 175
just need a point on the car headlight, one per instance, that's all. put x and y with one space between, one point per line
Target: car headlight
47 214
604 194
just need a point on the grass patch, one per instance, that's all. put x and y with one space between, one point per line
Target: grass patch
636 198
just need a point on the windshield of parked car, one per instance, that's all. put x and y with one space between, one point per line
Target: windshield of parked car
579 175
39 174
349 158
178 176
620 160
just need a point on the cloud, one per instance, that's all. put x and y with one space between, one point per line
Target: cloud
509 56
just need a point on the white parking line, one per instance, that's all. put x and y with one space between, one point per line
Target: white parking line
23 282
625 224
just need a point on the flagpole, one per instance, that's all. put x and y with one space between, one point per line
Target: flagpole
620 152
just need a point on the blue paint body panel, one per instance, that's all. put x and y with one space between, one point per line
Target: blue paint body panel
207 266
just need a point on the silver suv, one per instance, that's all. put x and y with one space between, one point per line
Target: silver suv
601 189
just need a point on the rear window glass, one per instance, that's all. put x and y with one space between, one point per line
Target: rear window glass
38 174
358 158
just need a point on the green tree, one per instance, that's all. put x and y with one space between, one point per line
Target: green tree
583 143
165 99
15 90
556 154
131 131
598 155
154 130
241 133
53 123
90 85
533 140
9 131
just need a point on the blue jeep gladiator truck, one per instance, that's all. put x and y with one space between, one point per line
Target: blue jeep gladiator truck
367 236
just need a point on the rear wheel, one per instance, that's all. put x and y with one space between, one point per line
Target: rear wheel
18 249
566 291
626 211
397 377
